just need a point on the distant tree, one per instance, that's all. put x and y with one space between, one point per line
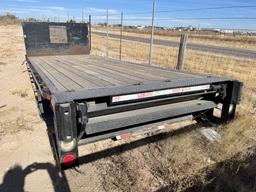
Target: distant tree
71 21
102 24
31 19
9 18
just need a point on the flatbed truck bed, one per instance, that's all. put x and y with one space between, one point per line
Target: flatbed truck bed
69 75
94 98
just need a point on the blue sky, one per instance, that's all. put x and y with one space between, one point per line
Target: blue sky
61 10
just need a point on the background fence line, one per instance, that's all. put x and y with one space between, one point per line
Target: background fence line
121 47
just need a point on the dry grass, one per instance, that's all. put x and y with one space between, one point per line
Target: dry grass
9 19
180 163
238 41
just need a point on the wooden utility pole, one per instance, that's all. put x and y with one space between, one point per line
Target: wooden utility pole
152 32
182 50
121 36
82 16
107 35
90 30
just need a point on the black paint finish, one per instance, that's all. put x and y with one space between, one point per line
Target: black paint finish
38 41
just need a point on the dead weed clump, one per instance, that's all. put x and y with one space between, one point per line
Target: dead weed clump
21 93
128 170
119 174
15 126
2 64
237 136
205 166
174 161
235 174
9 19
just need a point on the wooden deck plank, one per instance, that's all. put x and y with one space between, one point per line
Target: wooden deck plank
166 73
96 78
75 72
60 76
132 71
104 69
124 72
88 77
36 63
98 73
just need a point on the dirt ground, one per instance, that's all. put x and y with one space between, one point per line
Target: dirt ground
181 160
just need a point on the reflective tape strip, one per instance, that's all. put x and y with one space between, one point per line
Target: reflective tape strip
167 126
123 136
136 96
161 127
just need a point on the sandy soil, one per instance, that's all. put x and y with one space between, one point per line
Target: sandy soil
23 138
167 162
27 162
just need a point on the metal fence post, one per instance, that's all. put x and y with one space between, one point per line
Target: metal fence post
121 36
107 35
152 32
82 16
182 50
90 31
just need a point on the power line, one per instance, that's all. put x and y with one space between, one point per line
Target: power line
211 18
198 9
186 18
190 10
196 18
208 8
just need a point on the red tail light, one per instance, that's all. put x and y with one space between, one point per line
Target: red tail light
49 97
69 160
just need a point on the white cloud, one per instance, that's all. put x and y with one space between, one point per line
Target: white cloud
96 10
57 8
16 11
29 1
60 12
35 10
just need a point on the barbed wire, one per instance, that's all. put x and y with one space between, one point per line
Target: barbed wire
185 18
203 18
196 9
183 10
